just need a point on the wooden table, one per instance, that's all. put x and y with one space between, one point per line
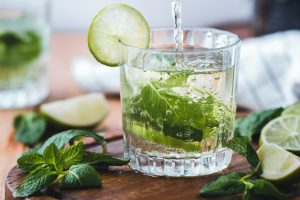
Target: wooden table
64 48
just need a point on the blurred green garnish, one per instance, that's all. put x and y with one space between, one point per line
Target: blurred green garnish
19 48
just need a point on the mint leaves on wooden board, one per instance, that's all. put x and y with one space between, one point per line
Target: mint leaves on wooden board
70 167
250 185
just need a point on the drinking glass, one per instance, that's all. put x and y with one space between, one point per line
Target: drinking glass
179 106
24 40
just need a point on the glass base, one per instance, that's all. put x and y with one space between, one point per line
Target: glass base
32 93
179 167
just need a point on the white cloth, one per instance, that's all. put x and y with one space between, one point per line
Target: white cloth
269 72
95 77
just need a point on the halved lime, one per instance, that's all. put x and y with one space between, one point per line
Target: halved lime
292 110
77 112
279 165
114 26
283 131
159 138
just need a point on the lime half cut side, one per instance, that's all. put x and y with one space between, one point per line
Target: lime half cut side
283 131
77 112
112 28
279 165
292 110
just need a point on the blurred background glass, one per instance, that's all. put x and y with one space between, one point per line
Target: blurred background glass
24 42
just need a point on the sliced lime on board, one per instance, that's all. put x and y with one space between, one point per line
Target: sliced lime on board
77 112
112 28
159 138
279 165
292 110
283 131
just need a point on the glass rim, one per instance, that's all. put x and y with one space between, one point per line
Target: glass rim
188 51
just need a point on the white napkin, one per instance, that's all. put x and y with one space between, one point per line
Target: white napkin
269 72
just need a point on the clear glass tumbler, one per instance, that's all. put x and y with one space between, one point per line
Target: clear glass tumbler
24 40
179 105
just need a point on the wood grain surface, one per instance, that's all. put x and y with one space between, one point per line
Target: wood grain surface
123 183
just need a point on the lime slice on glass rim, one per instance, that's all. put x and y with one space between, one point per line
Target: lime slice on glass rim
292 110
77 112
112 28
283 131
279 165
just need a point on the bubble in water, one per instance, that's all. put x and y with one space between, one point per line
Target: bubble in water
169 113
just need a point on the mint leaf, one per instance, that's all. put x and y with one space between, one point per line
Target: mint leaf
225 185
262 187
103 159
177 79
174 114
30 161
73 155
30 127
242 146
35 181
53 156
63 138
253 123
81 176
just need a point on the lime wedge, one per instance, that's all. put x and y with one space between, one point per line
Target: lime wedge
114 26
77 112
159 138
279 165
283 131
292 110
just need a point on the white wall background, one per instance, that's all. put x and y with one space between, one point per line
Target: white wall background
76 15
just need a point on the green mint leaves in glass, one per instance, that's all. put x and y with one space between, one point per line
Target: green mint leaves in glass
179 105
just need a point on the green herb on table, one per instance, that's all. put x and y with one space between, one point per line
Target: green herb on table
250 185
252 125
71 168
30 127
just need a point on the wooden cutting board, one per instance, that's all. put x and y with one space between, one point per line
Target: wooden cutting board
123 183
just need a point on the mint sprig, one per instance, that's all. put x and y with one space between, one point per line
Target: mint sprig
250 185
242 146
30 127
71 167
